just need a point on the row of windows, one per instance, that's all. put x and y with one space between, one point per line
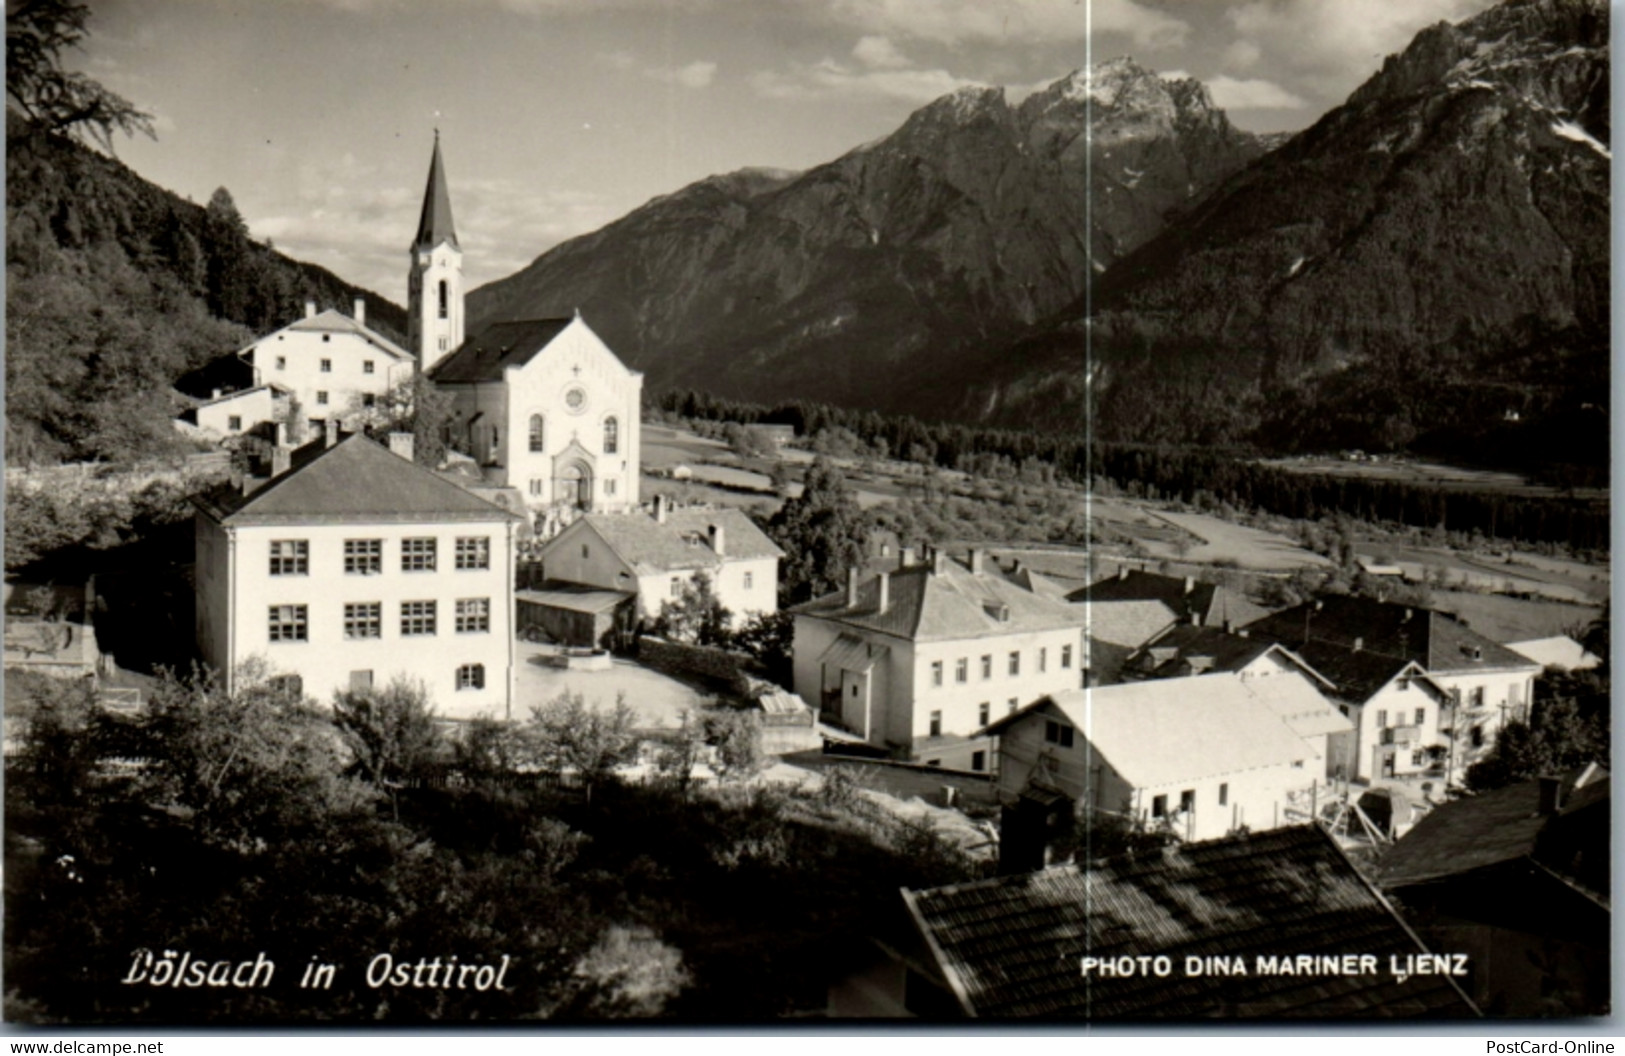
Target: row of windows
678 581
469 676
1399 716
984 714
365 557
367 366
1013 665
538 434
1187 801
365 619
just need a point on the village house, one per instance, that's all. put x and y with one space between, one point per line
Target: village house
1034 945
919 659
1517 878
541 405
246 410
1196 757
655 556
350 566
1485 684
1128 609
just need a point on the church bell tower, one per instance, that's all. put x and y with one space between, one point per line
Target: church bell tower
435 284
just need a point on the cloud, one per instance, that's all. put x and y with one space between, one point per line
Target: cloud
878 53
694 75
1241 55
1330 48
830 79
617 60
1231 93
1013 21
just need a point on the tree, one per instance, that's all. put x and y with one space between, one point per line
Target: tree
54 99
1556 739
697 616
821 532
566 735
679 754
769 638
391 734
412 405
737 736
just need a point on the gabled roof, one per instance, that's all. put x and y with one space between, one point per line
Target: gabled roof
1132 726
1491 828
434 224
499 346
1126 623
1437 640
333 321
1012 947
1185 597
1169 654
356 481
955 603
682 543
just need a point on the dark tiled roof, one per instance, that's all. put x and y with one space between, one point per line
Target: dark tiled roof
1224 651
434 224
955 603
1012 947
683 542
1488 829
1437 640
1357 674
356 481
499 346
1208 602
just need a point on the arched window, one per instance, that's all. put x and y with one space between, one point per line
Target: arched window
612 436
538 436
443 300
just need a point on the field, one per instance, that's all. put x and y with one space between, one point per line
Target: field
1435 474
1505 619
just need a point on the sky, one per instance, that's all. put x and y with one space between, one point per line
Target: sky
558 116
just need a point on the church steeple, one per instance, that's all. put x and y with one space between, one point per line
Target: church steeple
435 283
435 226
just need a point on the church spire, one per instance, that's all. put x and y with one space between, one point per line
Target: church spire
435 226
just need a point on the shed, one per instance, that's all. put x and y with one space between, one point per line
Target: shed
573 614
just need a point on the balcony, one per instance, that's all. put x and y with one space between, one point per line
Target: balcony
1401 735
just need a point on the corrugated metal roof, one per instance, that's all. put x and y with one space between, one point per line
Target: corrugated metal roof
1013 947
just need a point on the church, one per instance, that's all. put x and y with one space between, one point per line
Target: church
542 406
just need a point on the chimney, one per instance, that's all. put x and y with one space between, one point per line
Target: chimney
1359 643
1551 795
310 308
1194 618
1190 584
330 432
403 444
939 561
717 543
905 557
978 558
852 588
884 580
216 395
660 509
361 310
1122 571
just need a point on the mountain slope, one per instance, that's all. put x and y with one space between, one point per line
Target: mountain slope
1428 258
964 226
115 287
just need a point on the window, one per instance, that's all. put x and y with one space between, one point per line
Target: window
936 672
474 551
444 299
288 686
360 681
1187 799
327 366
363 557
1382 720
1159 807
364 619
234 422
1478 737
987 666
978 760
321 397
289 623
417 555
962 670
1058 733
471 676
676 586
535 486
282 364
369 399
1224 795
366 366
1419 757
1043 659
1475 697
473 615
1344 708
612 436
750 580
609 485
442 344
1015 705
984 713
327 337
586 551
936 724
290 557
1066 656
1421 715
417 618
1015 662
538 433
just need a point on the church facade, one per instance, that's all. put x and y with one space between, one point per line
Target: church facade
542 405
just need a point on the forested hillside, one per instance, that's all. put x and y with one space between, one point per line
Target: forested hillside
116 287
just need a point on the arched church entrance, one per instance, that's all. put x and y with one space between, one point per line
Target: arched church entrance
574 485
